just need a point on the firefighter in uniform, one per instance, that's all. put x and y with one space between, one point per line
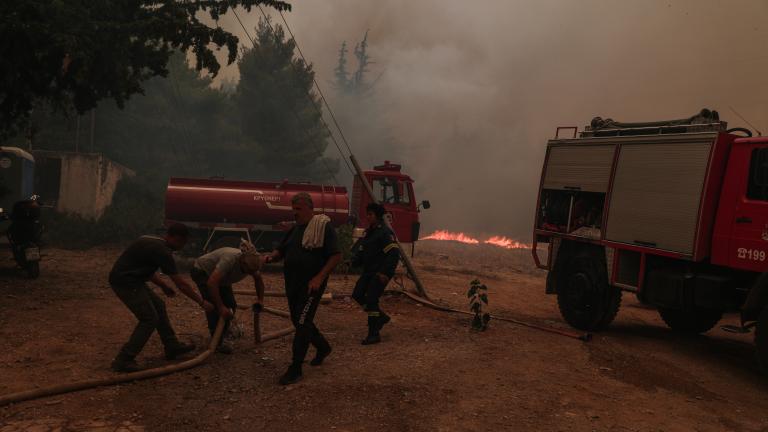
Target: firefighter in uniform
378 254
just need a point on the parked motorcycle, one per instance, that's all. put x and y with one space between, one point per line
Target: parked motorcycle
24 235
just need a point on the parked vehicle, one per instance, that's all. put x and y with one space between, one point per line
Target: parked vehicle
24 229
227 210
24 235
17 175
675 212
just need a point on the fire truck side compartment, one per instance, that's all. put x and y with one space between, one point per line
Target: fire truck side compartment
657 190
584 168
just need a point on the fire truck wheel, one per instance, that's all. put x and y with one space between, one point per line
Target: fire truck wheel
585 299
693 321
761 340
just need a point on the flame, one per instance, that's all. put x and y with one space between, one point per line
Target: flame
507 243
451 236
499 241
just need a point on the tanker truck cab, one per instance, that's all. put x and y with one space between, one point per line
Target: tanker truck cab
741 231
394 190
673 212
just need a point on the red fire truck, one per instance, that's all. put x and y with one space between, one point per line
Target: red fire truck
675 212
227 210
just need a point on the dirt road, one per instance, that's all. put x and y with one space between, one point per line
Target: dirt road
430 374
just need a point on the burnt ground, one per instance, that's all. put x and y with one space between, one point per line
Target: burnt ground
430 374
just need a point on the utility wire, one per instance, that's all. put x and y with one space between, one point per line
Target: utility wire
322 97
298 119
317 85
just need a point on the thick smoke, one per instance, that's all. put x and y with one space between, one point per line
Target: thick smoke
472 90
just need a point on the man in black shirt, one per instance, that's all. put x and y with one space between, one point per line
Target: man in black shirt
378 253
310 250
138 265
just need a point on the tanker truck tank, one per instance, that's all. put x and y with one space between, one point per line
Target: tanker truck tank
244 207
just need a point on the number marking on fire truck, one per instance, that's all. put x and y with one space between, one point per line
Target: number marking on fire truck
751 254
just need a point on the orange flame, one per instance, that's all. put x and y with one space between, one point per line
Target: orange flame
499 241
447 235
507 243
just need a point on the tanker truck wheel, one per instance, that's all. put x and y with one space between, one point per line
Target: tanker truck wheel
761 341
692 321
586 300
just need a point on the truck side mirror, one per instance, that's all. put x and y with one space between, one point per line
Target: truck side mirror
426 205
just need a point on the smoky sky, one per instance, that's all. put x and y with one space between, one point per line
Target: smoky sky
472 90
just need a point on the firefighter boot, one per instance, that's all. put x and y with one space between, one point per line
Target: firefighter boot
292 375
124 363
383 320
373 330
177 349
322 353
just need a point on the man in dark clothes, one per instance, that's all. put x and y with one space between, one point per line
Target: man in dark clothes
129 276
310 250
378 253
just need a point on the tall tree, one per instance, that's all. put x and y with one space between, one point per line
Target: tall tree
77 52
341 74
354 84
279 109
180 126
359 110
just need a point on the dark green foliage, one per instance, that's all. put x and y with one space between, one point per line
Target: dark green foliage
180 127
279 109
136 210
73 53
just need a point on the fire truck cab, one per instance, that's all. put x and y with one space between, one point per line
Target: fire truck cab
675 212
394 190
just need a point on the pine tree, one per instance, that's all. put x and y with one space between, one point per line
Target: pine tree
279 110
342 83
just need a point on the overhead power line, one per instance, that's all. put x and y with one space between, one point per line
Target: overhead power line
317 85
320 92
314 104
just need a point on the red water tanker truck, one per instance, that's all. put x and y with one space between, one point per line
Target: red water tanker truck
675 212
260 211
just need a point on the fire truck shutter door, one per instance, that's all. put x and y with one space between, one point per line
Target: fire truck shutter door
656 194
582 167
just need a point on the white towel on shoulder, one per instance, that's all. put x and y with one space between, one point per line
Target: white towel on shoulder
314 234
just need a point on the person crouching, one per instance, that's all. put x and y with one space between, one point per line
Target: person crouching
214 274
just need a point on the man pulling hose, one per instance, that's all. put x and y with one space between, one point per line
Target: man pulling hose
214 274
138 265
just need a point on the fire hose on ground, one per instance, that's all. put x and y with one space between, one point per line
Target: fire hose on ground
258 338
585 337
149 373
